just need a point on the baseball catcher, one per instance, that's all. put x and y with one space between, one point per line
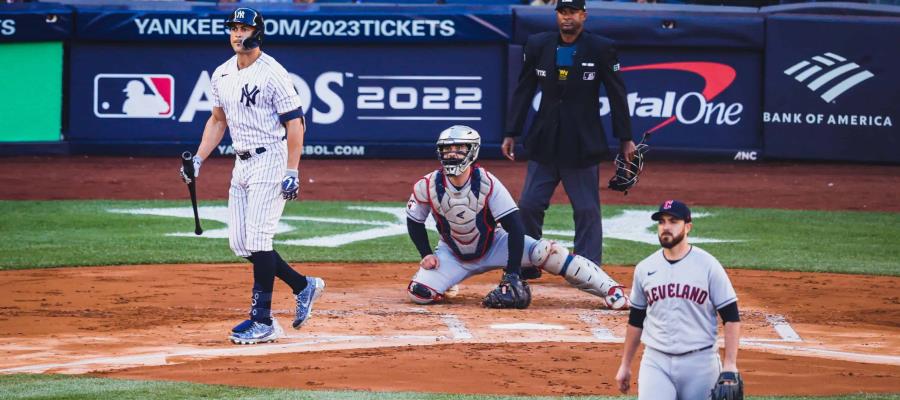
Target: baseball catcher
729 386
480 229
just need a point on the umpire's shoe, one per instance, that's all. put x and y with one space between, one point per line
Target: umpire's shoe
255 332
314 289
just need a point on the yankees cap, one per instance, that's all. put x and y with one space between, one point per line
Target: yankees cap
576 4
674 208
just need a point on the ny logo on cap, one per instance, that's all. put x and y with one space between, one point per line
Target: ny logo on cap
668 204
239 14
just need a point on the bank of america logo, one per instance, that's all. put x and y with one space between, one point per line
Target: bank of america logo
830 73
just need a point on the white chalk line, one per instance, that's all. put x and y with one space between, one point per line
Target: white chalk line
833 354
457 327
458 332
602 334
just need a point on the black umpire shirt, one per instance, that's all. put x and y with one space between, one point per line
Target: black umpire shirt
566 131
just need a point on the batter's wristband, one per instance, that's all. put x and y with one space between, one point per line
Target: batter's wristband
292 172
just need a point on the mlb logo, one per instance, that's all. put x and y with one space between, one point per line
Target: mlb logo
589 76
134 96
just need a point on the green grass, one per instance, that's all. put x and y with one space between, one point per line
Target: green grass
76 233
66 387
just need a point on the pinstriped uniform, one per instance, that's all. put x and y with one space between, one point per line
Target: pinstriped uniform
252 99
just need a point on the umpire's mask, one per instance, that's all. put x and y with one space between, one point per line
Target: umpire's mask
456 162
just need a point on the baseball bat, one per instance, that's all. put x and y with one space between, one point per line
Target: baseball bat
187 161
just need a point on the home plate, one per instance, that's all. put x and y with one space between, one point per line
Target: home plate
528 327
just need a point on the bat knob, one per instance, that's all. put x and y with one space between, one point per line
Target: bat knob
198 231
187 156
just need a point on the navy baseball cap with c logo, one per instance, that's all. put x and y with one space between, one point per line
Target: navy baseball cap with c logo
674 208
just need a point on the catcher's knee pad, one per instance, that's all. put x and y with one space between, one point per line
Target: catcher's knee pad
577 270
540 252
421 294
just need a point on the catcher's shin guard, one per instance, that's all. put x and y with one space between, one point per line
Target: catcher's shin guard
578 271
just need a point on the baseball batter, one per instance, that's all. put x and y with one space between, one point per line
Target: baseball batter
676 294
254 97
467 203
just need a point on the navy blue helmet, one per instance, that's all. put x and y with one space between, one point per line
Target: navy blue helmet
249 17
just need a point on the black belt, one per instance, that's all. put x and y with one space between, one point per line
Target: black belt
685 353
259 150
247 154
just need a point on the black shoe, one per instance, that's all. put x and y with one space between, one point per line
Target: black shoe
530 273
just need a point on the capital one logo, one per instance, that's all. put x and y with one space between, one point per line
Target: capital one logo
828 74
134 96
688 108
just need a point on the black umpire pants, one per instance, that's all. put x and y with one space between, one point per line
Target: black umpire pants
582 185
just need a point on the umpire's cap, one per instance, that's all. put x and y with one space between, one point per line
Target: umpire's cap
249 17
574 4
674 208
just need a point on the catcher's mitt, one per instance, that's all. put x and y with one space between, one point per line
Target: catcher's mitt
628 172
729 386
512 292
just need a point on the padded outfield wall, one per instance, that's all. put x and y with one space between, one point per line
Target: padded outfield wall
381 81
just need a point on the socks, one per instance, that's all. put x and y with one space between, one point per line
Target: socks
294 279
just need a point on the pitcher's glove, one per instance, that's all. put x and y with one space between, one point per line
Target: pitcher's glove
729 386
512 292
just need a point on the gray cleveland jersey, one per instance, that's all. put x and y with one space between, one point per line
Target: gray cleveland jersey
681 300
252 99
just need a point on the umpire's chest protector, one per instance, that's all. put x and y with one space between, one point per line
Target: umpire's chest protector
463 216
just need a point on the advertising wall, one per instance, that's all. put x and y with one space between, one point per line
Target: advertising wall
31 62
375 83
359 103
831 87
801 81
698 89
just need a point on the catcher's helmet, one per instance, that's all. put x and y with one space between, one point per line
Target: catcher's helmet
458 135
249 17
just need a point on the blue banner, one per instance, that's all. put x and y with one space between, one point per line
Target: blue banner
831 90
34 22
369 101
697 102
330 24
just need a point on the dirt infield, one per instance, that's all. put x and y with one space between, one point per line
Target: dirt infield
804 333
171 321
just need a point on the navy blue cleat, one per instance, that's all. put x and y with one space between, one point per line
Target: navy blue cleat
314 289
254 332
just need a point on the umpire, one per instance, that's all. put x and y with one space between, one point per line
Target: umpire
566 140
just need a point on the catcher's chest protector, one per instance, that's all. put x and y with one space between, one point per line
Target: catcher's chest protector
463 216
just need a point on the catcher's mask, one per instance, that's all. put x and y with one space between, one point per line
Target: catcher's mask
455 162
249 17
628 172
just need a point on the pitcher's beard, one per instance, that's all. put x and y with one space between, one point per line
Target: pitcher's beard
671 243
